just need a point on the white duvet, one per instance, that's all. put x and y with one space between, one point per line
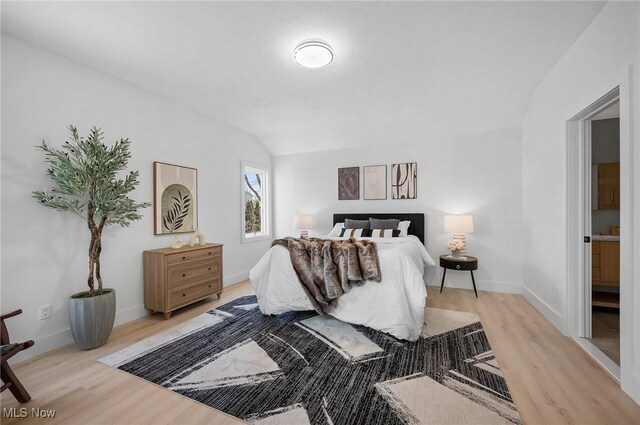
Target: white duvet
394 305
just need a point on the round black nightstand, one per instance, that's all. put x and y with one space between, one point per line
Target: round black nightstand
461 263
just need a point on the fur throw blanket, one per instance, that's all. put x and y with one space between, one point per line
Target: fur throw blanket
329 268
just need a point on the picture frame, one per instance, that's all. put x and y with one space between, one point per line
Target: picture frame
348 183
375 182
404 180
175 198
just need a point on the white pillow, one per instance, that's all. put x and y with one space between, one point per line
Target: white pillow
335 232
403 226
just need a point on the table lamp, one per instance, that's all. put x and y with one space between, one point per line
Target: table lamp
303 223
459 225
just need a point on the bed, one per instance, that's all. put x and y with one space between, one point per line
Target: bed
395 305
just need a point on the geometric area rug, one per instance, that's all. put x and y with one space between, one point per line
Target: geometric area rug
302 368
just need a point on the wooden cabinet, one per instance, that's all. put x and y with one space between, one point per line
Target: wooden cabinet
610 263
174 278
605 271
609 186
605 263
595 262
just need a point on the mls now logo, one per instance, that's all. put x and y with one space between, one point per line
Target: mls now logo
23 412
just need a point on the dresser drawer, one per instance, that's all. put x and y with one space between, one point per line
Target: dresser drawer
193 271
185 257
184 296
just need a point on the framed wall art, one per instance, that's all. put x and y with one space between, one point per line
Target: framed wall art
348 183
175 199
375 182
404 180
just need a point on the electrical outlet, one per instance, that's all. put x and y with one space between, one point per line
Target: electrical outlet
44 311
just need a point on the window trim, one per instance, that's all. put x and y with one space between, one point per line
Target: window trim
266 209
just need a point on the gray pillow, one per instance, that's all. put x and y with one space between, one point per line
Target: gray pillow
356 224
376 223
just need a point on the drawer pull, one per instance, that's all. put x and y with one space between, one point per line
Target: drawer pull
209 286
184 258
209 252
209 268
458 266
184 274
184 295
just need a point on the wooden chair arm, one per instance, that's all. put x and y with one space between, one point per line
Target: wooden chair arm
13 313
15 350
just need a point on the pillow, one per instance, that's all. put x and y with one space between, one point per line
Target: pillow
356 224
335 232
376 223
355 233
385 233
404 228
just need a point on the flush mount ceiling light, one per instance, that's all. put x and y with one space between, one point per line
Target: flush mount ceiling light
313 54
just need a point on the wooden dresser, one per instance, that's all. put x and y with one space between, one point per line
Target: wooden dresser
174 278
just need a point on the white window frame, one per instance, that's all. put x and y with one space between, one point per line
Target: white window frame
266 202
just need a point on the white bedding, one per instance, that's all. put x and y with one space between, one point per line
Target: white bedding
394 305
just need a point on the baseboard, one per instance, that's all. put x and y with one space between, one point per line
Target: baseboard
59 339
632 388
44 344
481 285
605 362
236 278
132 313
550 314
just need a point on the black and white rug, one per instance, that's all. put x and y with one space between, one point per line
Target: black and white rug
301 368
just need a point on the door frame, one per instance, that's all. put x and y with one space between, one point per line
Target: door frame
579 215
578 301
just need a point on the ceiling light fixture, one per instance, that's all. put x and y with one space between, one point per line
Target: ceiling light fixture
313 54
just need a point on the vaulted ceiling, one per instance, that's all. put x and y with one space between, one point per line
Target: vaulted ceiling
403 71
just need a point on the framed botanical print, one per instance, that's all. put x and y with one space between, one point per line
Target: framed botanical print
348 183
175 198
375 182
404 180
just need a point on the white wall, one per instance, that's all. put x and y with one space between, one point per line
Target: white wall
597 62
477 174
44 252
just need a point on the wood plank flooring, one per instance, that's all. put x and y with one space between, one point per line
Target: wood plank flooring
552 380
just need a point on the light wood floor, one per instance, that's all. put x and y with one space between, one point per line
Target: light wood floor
551 379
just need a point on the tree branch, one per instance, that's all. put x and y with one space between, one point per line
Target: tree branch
251 188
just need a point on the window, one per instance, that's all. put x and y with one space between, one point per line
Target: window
255 202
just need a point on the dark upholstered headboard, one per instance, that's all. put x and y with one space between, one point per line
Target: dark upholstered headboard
416 219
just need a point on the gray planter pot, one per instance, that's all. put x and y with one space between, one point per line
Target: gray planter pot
91 318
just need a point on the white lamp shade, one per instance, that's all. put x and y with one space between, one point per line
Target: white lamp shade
458 224
303 222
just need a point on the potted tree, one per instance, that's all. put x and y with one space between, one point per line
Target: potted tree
87 181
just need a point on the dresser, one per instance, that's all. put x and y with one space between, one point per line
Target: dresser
174 278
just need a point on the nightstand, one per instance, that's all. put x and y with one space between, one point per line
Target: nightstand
461 263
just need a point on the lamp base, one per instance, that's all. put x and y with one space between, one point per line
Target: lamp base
304 234
461 237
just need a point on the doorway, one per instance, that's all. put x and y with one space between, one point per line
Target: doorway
605 232
593 207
